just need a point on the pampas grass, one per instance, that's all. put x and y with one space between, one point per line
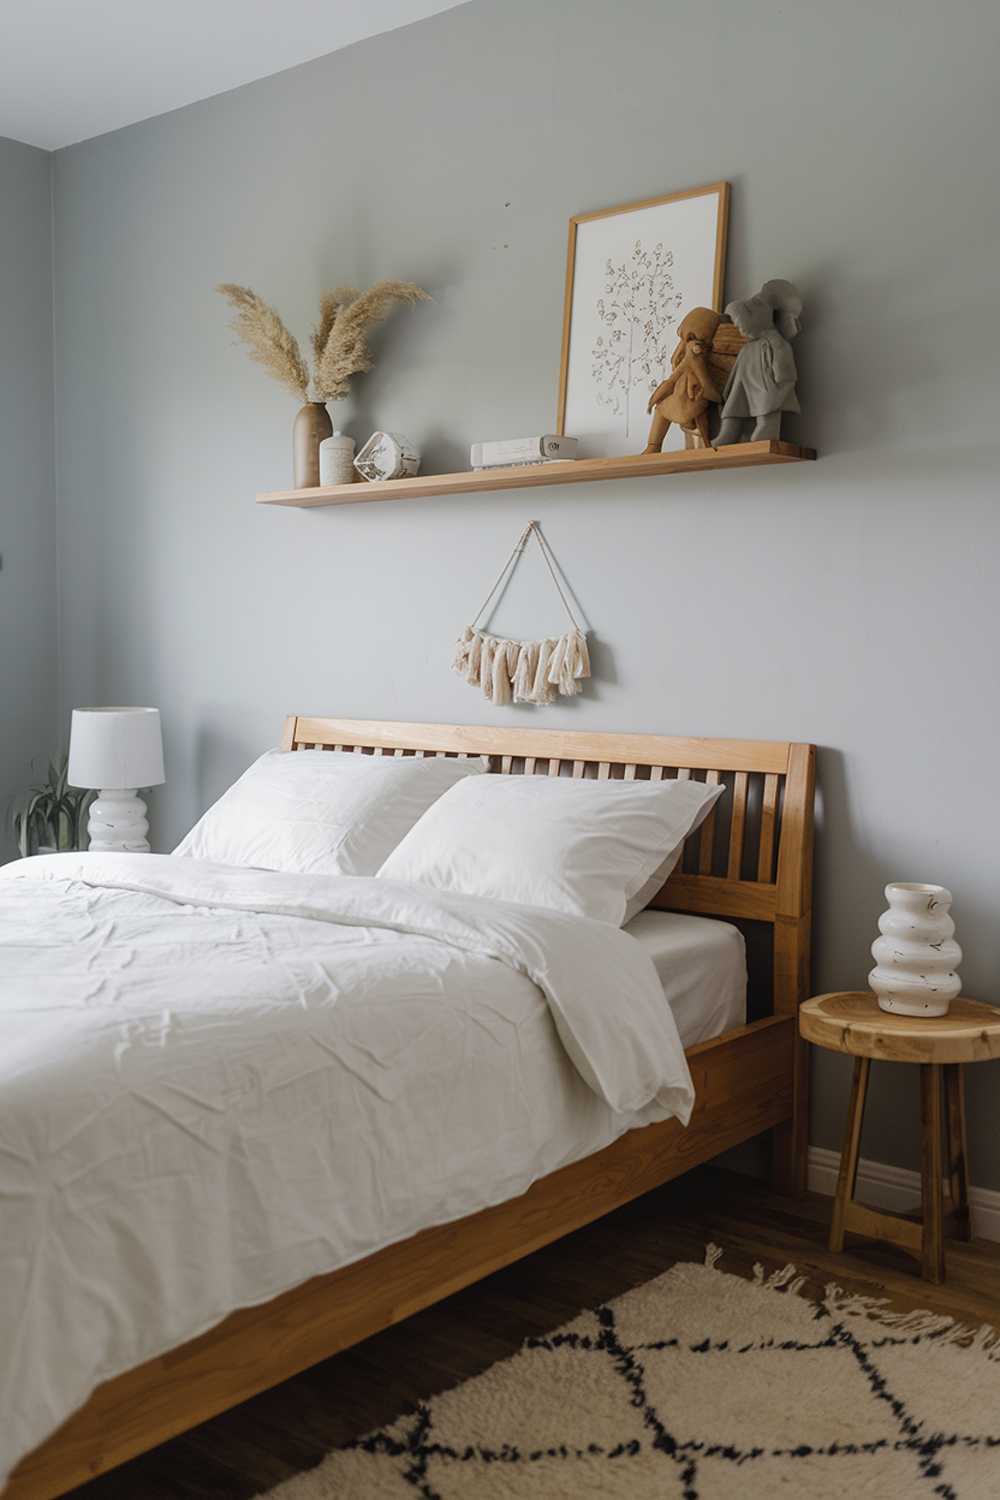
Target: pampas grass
329 305
345 349
267 338
339 340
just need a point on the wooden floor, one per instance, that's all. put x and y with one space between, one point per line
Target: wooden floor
289 1429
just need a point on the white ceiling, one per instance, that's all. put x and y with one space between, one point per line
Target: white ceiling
72 69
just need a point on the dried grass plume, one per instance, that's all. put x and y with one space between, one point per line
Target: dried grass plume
345 318
267 338
329 305
339 342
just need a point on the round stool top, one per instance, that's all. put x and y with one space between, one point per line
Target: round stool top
852 1021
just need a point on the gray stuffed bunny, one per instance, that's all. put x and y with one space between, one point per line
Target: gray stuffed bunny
762 383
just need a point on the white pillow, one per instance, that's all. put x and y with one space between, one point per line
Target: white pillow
645 894
582 847
322 811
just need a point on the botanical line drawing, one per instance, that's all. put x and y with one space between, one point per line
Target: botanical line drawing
638 310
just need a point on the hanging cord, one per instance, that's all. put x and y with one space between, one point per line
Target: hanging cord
551 564
532 529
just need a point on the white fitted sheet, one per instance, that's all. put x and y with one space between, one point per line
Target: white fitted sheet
702 966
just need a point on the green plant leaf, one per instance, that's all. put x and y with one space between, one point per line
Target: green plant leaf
49 812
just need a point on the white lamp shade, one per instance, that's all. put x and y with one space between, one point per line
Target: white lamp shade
115 748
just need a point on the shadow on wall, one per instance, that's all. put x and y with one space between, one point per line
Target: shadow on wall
216 751
853 395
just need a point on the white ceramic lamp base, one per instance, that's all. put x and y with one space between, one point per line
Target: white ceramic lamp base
118 823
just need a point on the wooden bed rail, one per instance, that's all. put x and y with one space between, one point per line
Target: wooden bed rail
742 1083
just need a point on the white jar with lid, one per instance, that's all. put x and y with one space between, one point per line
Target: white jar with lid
336 459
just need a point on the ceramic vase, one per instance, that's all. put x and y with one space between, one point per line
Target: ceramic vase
312 425
336 459
916 954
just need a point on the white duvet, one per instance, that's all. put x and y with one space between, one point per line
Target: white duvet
216 1083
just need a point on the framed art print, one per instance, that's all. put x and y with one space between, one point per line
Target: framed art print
632 273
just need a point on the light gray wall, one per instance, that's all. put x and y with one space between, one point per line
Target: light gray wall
852 602
27 488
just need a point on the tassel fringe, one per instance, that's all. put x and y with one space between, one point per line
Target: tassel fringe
916 1324
523 671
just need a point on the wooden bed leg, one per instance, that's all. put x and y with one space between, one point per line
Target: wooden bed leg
790 1140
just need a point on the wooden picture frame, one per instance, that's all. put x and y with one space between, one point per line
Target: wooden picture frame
653 284
750 862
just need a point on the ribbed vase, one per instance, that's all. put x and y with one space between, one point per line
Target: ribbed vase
916 955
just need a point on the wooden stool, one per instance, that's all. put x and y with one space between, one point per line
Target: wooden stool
942 1045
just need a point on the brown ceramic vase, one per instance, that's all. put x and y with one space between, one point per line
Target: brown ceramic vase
312 425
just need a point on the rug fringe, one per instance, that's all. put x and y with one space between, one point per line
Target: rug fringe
918 1323
785 1279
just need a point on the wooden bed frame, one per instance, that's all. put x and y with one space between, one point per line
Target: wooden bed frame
750 863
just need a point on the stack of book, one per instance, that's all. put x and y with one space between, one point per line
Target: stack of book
549 447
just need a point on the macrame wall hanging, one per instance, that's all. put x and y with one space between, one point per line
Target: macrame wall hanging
524 671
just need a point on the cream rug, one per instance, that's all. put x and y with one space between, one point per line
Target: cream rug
702 1386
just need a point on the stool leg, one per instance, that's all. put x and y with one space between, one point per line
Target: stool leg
931 1174
957 1163
848 1177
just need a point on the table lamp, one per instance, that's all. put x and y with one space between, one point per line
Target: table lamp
115 751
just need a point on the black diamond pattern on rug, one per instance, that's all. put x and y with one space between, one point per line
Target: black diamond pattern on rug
702 1386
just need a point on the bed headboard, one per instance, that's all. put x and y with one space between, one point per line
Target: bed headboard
751 861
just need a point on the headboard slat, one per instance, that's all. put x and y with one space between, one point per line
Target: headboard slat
706 844
737 825
768 802
768 821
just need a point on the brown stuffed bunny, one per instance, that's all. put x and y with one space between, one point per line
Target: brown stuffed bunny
706 346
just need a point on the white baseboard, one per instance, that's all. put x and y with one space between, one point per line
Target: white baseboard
898 1190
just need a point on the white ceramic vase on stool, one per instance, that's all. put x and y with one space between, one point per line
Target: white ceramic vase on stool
916 955
116 751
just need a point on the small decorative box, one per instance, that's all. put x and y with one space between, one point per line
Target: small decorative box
388 455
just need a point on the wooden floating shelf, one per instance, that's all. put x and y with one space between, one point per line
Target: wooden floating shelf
571 471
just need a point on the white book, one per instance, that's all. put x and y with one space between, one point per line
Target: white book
545 448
